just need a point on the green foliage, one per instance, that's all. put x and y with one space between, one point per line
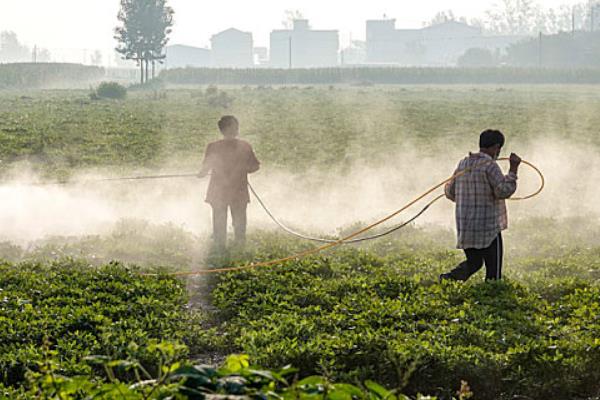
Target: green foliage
55 132
183 380
59 132
63 312
387 75
153 85
130 241
44 75
561 50
111 90
353 316
357 315
219 99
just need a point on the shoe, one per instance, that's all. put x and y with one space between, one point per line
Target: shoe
445 277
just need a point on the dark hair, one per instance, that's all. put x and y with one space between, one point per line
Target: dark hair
490 138
226 121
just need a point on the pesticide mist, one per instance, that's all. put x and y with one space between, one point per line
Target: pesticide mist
346 158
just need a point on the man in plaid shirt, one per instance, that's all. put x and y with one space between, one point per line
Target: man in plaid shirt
480 207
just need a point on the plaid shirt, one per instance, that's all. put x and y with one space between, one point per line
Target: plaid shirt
480 201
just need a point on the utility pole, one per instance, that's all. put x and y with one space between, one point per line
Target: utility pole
34 54
592 10
573 21
540 51
166 58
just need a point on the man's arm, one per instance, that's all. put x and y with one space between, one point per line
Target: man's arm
206 163
450 190
253 163
504 186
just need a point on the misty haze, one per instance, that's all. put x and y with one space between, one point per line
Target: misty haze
284 200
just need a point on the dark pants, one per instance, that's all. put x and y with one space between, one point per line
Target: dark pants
491 256
238 217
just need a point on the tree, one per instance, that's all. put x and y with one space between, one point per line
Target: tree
528 17
130 36
514 17
11 50
445 16
143 34
289 17
560 20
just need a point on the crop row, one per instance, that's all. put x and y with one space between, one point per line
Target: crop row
68 310
353 316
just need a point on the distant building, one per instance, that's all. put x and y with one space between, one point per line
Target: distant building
353 55
437 45
232 49
385 43
261 55
302 47
180 56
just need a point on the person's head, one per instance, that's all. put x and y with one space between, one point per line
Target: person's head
229 126
491 142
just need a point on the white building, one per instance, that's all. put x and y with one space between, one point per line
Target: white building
302 47
232 49
181 56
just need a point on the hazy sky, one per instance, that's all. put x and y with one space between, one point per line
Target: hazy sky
70 26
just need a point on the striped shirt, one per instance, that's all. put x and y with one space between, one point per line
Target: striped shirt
480 200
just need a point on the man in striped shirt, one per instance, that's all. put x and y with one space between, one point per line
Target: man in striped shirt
481 215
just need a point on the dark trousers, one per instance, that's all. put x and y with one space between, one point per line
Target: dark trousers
491 256
238 217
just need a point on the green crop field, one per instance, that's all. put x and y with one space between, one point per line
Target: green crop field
80 317
58 132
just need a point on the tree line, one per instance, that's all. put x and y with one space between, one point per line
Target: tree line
561 50
12 50
529 17
385 75
33 76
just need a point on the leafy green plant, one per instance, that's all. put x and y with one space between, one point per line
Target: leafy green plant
111 90
183 380
354 316
216 98
73 310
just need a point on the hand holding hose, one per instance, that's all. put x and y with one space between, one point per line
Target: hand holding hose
515 161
